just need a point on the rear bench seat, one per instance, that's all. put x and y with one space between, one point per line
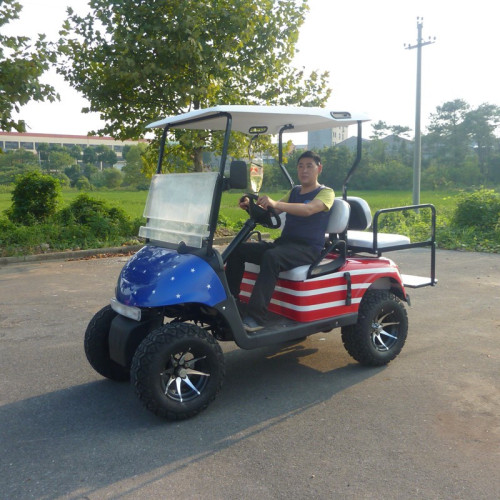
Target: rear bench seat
356 216
360 240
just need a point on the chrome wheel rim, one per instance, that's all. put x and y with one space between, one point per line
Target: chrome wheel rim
384 332
185 377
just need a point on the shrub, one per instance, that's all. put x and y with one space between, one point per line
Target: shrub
101 219
112 178
83 184
480 210
34 198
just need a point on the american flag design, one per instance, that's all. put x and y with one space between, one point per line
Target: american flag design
325 296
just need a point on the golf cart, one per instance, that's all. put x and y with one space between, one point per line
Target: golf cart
173 305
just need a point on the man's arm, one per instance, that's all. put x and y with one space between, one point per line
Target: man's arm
300 209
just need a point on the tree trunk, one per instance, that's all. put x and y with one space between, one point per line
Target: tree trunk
198 160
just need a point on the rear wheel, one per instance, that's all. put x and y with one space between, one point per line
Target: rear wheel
380 333
96 345
177 370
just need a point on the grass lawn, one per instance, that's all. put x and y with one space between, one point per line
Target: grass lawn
22 240
444 201
133 201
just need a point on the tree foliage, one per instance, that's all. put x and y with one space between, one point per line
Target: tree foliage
462 141
14 163
447 138
382 129
135 60
134 167
21 65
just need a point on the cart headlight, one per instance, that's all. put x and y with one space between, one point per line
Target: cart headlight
127 311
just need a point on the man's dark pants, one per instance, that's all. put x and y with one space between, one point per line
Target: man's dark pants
273 257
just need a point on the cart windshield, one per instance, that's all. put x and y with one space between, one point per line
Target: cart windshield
178 208
184 207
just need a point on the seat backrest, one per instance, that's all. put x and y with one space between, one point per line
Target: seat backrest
337 220
339 217
361 216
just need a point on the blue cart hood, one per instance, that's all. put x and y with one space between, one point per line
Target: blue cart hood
157 276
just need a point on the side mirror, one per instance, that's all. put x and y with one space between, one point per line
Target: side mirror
238 175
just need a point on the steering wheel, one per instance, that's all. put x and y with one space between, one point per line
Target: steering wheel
267 218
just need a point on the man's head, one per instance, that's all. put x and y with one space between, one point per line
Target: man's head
308 168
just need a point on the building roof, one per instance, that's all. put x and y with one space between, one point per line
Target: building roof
351 142
32 135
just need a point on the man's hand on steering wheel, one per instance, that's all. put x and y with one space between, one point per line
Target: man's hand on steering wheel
265 202
266 216
244 202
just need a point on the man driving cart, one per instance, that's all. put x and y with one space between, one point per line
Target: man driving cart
174 300
307 207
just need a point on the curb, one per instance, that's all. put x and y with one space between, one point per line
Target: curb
82 254
70 255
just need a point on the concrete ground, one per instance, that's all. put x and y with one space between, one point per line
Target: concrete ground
294 421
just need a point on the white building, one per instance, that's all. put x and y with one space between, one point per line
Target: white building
27 140
319 139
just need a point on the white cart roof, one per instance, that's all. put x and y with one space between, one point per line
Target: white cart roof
274 118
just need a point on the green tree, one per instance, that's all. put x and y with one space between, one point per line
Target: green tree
112 178
75 151
462 147
83 184
379 129
97 178
74 172
400 131
42 150
105 156
134 167
22 63
89 156
59 160
16 162
18 158
136 60
398 148
480 125
54 157
337 161
447 139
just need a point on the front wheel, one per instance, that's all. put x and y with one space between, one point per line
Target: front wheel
177 370
96 345
380 333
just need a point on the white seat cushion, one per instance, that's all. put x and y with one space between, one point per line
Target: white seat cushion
358 239
364 239
295 274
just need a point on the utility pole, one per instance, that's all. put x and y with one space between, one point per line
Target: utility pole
417 154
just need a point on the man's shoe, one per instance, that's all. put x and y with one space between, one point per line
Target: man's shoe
250 325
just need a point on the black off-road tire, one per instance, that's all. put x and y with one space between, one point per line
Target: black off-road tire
96 345
177 370
380 333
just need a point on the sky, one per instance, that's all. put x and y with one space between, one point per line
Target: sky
361 44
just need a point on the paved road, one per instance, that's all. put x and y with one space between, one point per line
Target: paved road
296 421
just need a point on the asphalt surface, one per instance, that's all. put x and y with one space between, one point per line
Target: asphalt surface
297 421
